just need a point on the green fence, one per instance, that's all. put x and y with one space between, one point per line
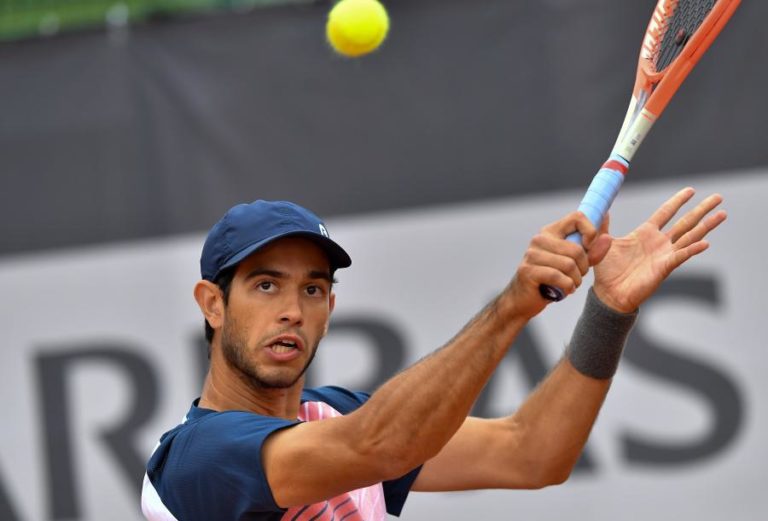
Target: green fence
29 18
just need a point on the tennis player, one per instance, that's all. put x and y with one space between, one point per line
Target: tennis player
257 445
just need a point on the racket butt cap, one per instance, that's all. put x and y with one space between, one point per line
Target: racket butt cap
551 293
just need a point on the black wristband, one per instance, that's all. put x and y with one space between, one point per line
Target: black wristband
598 339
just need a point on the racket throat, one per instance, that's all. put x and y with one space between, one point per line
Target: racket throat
633 133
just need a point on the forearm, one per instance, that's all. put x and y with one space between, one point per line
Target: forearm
415 413
552 426
555 421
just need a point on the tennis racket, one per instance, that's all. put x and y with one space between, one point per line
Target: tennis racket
679 33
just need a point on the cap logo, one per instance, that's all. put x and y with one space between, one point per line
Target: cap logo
323 231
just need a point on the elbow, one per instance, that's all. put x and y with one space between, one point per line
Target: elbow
547 475
557 477
551 458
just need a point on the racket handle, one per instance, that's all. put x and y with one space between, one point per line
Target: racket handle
595 204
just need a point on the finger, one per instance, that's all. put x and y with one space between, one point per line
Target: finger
552 277
666 211
683 254
561 247
565 265
688 221
574 221
702 229
587 230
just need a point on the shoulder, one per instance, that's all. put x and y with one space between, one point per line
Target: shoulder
219 452
216 432
343 400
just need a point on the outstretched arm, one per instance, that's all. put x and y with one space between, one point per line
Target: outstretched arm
540 443
411 417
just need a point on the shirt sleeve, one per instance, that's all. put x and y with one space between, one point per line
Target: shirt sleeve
396 491
212 468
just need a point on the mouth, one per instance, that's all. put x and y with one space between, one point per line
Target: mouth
285 344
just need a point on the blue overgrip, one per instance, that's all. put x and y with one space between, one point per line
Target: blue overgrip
595 204
600 194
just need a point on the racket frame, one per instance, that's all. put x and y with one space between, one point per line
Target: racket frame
651 93
654 89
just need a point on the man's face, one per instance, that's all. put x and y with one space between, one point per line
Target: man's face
278 310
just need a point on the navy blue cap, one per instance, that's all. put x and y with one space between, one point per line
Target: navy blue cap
247 227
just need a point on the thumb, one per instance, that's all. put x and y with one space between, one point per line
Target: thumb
599 248
606 224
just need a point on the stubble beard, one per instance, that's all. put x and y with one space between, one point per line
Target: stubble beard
235 349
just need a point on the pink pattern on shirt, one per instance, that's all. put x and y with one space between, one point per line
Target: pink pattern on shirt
364 504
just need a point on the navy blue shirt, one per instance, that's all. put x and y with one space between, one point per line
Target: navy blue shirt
209 467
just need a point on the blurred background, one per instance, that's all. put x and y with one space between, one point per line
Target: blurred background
127 129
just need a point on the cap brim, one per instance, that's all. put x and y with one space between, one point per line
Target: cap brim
337 257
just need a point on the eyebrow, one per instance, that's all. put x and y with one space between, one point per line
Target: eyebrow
323 275
313 274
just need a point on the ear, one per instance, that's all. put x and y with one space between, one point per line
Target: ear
211 302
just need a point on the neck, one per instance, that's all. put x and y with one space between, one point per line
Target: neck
226 389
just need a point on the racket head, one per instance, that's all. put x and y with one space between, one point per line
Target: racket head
678 35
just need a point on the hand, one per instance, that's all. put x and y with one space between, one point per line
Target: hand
553 260
637 264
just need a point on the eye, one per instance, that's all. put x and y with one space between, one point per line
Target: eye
266 285
314 291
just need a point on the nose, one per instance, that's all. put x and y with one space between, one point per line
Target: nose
290 311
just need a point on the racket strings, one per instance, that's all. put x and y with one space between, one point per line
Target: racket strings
685 20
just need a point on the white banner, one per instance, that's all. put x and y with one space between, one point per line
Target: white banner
103 352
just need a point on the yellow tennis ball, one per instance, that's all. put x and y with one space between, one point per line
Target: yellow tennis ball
357 27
